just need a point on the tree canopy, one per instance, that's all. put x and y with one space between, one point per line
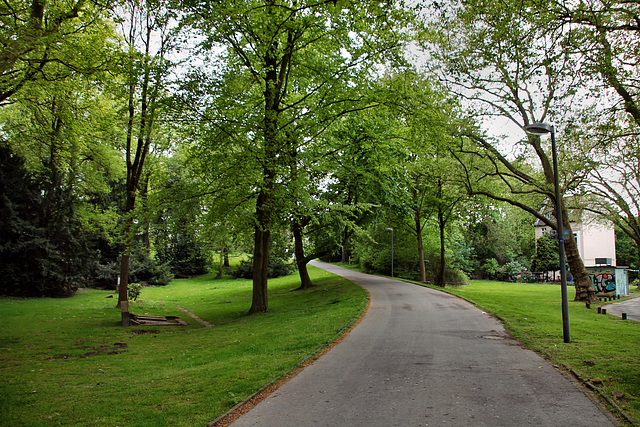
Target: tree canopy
160 136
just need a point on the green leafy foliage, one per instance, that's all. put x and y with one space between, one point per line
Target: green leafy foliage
183 255
547 257
135 289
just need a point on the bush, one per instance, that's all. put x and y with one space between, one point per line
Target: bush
244 270
277 268
491 268
183 255
143 268
134 290
513 271
452 275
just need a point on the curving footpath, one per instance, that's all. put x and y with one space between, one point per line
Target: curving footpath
424 358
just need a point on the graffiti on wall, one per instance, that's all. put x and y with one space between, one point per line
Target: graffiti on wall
604 281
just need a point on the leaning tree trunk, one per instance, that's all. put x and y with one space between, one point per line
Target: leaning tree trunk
584 289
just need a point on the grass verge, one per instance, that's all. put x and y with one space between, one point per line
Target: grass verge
67 362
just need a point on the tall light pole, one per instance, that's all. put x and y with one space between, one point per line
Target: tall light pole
389 228
541 129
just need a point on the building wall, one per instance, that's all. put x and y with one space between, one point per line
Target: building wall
594 239
598 242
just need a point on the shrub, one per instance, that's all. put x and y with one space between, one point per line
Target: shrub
183 255
277 268
134 290
452 275
491 268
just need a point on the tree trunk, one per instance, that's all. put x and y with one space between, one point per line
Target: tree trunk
123 292
220 264
418 225
584 289
259 302
301 261
146 224
265 202
440 277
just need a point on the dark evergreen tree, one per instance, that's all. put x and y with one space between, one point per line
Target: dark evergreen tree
42 251
547 256
183 254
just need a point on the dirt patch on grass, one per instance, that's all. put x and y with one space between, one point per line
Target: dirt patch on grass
116 348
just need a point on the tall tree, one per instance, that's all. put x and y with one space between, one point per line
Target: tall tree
65 130
147 41
606 36
614 187
279 47
426 171
504 65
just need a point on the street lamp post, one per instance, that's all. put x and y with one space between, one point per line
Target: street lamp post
541 129
389 228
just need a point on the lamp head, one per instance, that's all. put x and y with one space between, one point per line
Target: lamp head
538 128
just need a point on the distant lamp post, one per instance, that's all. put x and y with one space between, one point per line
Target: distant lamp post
391 229
541 129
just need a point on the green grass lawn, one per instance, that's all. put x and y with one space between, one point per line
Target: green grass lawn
68 362
604 349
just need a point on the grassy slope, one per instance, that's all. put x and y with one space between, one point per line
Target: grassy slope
59 362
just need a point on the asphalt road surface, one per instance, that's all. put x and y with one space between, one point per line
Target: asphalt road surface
424 358
630 306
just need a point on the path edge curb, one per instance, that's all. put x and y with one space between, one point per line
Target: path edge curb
251 401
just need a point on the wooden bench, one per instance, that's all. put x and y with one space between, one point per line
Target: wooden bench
132 320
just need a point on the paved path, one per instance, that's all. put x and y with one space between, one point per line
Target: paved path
630 306
424 358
